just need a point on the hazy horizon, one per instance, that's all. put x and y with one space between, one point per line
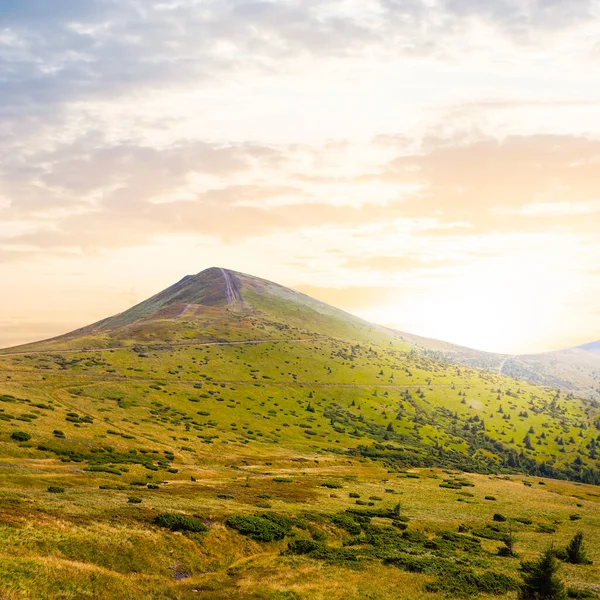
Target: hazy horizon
429 165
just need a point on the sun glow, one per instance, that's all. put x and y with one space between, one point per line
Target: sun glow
497 306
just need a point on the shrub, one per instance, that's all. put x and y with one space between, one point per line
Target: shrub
20 436
134 500
304 546
282 480
499 518
179 522
347 523
334 485
266 527
492 498
466 583
53 489
575 517
318 550
353 495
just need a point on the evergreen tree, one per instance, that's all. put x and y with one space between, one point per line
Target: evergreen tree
575 552
541 580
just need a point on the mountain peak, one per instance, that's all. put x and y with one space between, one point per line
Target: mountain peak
215 286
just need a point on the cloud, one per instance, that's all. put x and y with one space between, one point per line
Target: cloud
92 195
395 264
522 17
488 183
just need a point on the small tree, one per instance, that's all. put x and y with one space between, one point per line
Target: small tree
509 544
575 552
541 580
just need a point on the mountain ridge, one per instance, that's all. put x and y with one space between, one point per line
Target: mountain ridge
204 296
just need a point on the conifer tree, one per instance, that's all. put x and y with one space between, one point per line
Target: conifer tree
541 580
575 552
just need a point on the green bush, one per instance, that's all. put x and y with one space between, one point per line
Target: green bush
134 500
179 522
334 485
467 584
304 546
266 527
53 489
20 436
320 551
347 523
499 518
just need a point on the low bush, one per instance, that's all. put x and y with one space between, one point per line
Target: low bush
266 527
465 583
179 522
53 489
20 436
347 523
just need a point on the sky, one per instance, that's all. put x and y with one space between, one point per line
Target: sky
431 165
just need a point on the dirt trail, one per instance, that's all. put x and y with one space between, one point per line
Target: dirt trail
184 309
231 289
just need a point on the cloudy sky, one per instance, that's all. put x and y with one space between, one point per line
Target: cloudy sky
433 165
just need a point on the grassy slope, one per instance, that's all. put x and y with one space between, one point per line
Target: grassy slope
235 418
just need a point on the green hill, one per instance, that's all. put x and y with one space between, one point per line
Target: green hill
226 397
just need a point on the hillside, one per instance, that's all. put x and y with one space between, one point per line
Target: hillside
226 397
573 370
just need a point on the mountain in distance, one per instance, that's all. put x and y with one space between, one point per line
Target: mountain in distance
573 370
173 315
